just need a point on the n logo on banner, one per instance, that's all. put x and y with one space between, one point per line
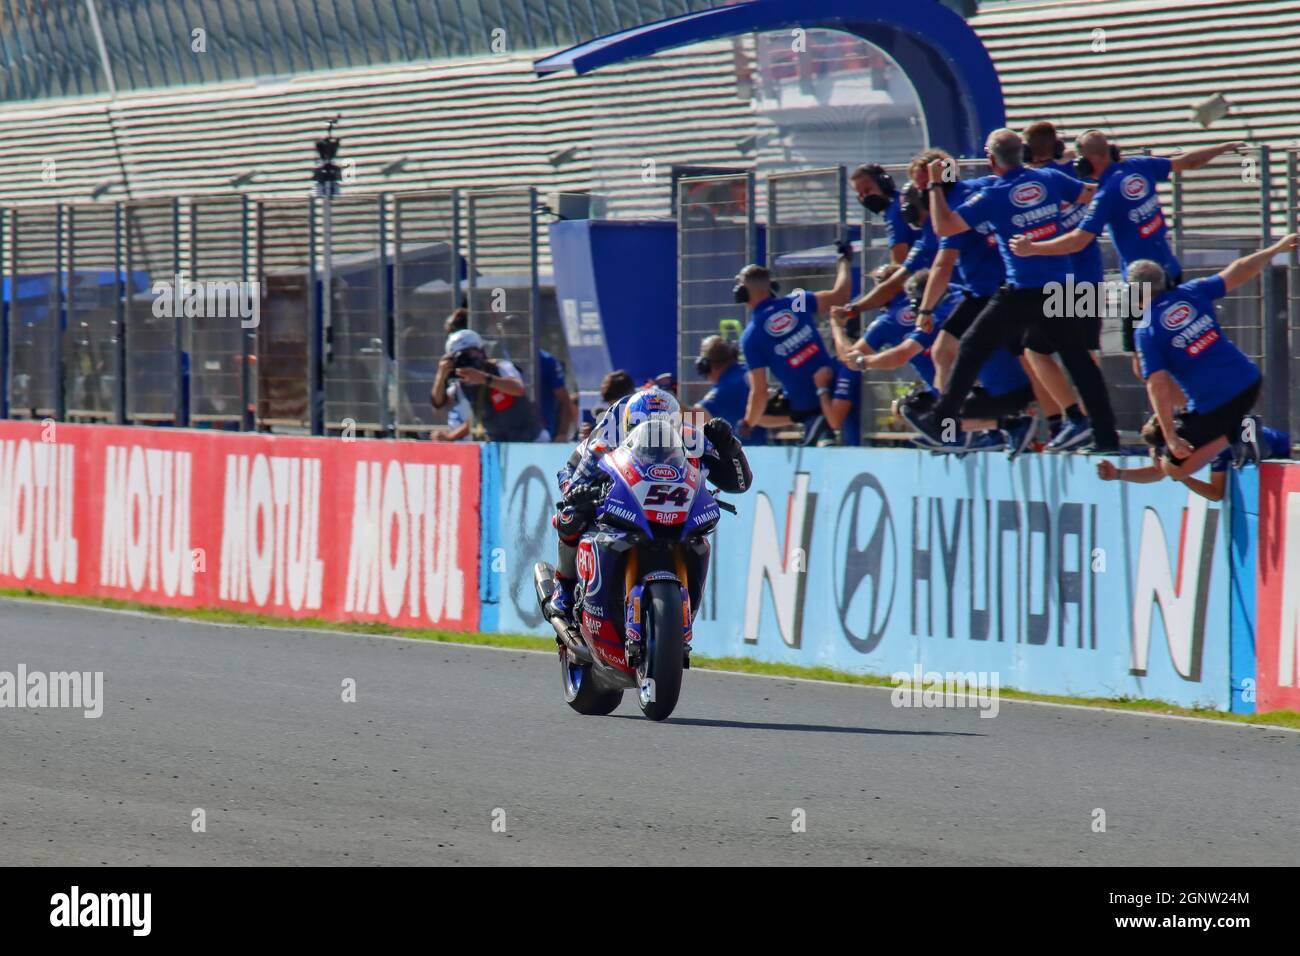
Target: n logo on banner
1183 600
785 566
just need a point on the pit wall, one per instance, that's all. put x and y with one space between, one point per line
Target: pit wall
862 560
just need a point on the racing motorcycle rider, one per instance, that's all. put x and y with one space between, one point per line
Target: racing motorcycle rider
717 452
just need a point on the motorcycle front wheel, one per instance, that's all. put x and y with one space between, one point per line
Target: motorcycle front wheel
659 678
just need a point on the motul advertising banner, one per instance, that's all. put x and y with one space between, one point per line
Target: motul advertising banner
297 527
1277 648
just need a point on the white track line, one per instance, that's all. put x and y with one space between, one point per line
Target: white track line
1002 701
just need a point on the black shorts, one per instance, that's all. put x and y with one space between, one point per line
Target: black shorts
1094 333
1198 429
965 313
980 404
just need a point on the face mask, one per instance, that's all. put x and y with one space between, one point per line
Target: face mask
875 202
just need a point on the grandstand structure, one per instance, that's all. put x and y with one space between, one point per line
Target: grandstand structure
209 101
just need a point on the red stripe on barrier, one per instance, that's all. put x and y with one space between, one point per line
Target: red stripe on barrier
1277 594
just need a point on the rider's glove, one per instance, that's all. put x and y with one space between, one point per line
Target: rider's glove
718 432
843 249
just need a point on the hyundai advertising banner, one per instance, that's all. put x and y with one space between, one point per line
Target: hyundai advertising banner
879 561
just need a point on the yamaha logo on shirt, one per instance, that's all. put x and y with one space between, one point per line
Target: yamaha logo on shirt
1028 194
1134 186
1177 315
780 323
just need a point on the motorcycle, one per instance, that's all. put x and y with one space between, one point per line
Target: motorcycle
641 565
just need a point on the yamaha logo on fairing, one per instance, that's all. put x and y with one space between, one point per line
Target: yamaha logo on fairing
866 563
1177 315
780 323
1028 194
1134 186
664 473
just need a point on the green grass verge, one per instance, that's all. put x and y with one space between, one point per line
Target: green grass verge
741 665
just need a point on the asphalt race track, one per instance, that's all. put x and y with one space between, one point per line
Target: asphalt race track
250 726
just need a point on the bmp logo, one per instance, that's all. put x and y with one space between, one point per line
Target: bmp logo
784 567
1182 600
866 562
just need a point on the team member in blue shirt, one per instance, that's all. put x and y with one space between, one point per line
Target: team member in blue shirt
1020 201
1126 203
1046 150
719 362
915 208
1182 351
877 193
782 336
1267 443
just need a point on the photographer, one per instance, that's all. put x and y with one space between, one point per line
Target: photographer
483 391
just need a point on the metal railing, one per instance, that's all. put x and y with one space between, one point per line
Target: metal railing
86 336
716 238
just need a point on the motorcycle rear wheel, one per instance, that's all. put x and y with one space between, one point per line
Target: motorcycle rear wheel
581 691
659 678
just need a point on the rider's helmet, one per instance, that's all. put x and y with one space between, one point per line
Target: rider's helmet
651 405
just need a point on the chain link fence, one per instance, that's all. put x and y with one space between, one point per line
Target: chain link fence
427 273
716 238
221 345
288 351
93 346
34 252
86 340
155 355
504 284
357 340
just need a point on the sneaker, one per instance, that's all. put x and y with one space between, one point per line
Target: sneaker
1074 432
990 440
1019 432
1247 452
959 445
924 422
1099 447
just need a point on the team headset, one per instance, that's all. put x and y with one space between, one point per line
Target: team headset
887 186
1058 150
702 364
914 202
739 293
1083 165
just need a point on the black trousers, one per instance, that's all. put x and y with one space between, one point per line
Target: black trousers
1017 318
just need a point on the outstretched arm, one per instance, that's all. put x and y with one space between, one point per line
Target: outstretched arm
1242 270
1196 158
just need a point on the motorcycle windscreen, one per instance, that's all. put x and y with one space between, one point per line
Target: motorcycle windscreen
668 484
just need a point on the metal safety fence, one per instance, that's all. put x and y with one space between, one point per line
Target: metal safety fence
355 366
209 310
503 281
426 283
716 238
